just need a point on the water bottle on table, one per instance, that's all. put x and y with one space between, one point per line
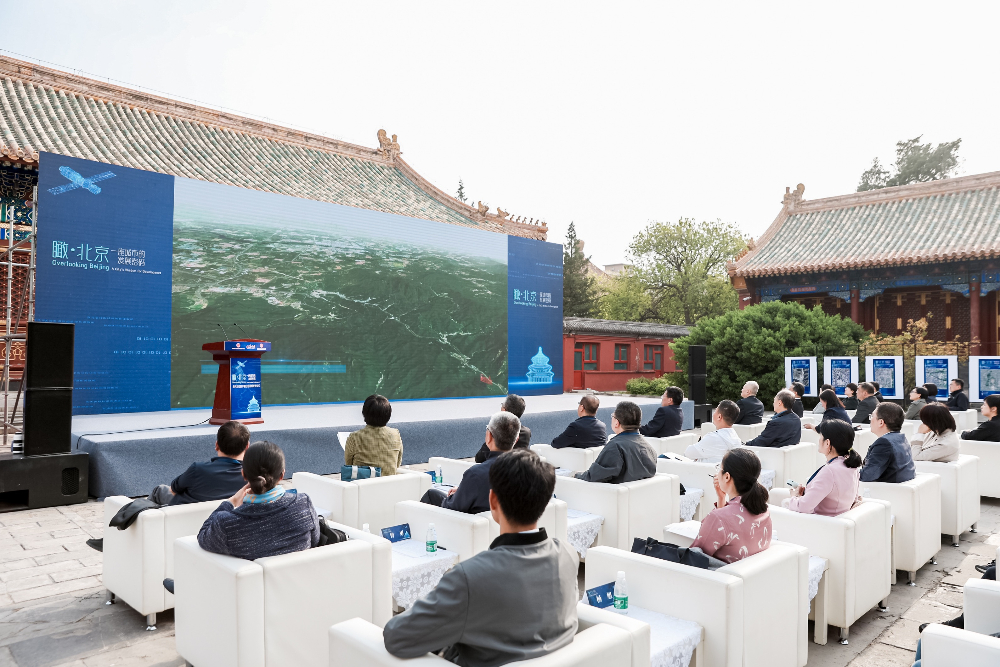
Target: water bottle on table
432 539
440 475
365 528
621 594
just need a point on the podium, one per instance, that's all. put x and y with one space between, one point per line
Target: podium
237 387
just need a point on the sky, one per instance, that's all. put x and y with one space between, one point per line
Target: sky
610 115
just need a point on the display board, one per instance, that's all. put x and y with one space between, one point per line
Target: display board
937 370
984 377
840 372
888 372
149 267
801 369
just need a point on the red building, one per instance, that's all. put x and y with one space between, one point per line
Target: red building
604 354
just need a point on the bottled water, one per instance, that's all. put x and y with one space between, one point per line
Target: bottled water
440 475
432 538
621 594
365 528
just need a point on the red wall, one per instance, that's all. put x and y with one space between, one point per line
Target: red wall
605 378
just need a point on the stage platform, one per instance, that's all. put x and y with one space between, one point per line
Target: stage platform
131 453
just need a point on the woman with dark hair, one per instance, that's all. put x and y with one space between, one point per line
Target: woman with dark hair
833 488
376 445
850 397
263 518
918 398
988 430
936 439
833 408
741 527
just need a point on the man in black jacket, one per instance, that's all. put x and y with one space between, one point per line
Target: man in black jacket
958 401
866 403
668 418
513 404
989 430
784 428
888 458
798 389
751 409
587 430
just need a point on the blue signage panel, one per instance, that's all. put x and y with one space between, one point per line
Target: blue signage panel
601 596
397 533
840 375
105 244
248 346
936 372
800 373
884 371
534 317
244 387
989 377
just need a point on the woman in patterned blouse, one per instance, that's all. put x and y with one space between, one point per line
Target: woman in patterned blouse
741 527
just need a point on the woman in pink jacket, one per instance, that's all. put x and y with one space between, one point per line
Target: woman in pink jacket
832 489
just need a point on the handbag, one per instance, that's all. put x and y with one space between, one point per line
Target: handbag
670 552
351 473
328 535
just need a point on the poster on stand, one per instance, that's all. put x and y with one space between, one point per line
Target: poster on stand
984 377
888 372
840 372
801 369
937 370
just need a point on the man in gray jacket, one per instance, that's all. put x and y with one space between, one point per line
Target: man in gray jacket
627 457
516 601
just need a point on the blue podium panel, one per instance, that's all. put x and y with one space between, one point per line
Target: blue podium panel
245 396
534 317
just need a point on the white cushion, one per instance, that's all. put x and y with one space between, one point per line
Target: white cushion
916 506
458 532
372 501
959 492
989 464
571 458
942 646
982 605
693 475
674 443
796 462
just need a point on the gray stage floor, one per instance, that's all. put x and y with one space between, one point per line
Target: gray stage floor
130 453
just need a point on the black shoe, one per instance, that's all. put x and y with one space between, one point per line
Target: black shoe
169 585
956 622
922 626
96 543
981 569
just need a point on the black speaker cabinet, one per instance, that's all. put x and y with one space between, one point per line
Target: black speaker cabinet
30 482
697 390
48 421
49 356
696 361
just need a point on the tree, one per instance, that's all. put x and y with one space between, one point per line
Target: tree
682 268
915 163
460 195
625 298
752 344
579 287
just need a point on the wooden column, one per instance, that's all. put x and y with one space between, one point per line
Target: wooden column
856 305
974 316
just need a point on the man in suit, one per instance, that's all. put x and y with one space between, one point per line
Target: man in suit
798 389
472 495
878 392
587 430
866 403
751 409
785 427
889 458
958 401
668 418
627 457
513 404
517 600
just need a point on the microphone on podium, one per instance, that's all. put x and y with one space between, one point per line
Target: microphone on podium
223 330
241 329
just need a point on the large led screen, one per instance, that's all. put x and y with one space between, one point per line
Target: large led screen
150 267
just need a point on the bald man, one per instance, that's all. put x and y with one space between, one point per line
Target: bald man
587 430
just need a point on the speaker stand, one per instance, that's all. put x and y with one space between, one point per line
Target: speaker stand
32 482
702 414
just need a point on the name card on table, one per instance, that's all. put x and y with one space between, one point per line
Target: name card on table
397 533
602 596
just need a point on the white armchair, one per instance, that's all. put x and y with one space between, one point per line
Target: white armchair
357 642
916 506
989 464
982 605
571 458
748 432
693 475
138 559
371 501
632 509
943 646
959 493
460 533
451 469
857 545
272 612
674 443
553 520
795 462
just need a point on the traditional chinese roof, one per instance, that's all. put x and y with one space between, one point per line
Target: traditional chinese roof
946 220
43 109
586 325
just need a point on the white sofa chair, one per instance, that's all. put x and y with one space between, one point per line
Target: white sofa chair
356 642
451 469
276 611
693 475
553 520
910 427
571 458
967 419
982 605
630 510
796 462
916 506
753 612
857 545
748 432
989 465
943 646
675 443
138 559
959 493
464 534
371 501
809 435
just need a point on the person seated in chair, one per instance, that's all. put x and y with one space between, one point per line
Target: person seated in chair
832 408
668 419
472 495
517 600
878 391
889 458
958 400
866 403
587 430
513 404
988 430
784 428
751 409
627 457
741 527
798 389
850 396
833 488
932 392
918 399
936 439
262 518
714 445
375 445
820 406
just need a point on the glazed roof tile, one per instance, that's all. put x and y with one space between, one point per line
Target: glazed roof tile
586 325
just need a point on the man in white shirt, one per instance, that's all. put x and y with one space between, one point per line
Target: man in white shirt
713 446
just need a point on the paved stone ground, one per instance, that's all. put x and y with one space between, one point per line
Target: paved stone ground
53 612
